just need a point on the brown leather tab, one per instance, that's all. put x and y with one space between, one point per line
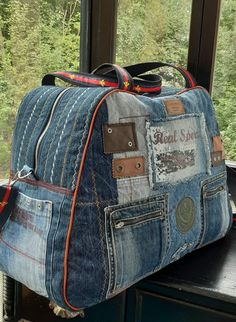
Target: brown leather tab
174 107
129 167
120 137
217 158
218 145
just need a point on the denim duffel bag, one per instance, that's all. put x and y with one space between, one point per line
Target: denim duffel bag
115 180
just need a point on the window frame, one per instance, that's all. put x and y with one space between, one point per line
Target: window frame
98 42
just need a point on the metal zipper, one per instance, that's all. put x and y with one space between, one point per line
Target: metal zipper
131 221
213 191
46 128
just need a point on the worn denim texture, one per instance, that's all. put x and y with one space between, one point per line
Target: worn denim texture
123 229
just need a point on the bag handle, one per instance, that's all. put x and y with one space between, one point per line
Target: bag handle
138 69
108 75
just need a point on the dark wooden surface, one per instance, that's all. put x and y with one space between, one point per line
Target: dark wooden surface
210 271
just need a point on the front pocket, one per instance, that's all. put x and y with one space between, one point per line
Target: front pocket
23 242
136 240
216 212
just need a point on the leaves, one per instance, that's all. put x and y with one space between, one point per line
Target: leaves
35 37
38 36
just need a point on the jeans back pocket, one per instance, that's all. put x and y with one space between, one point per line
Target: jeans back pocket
23 242
136 240
216 212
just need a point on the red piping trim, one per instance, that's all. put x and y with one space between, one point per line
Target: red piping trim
192 88
75 197
5 198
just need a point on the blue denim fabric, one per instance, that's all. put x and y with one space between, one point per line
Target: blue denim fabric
123 228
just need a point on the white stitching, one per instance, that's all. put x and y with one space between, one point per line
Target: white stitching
59 142
82 139
22 142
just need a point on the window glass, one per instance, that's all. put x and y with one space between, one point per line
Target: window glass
153 30
35 37
224 89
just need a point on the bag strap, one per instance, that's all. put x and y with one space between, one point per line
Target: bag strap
108 75
138 69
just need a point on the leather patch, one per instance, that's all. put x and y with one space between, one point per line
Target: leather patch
129 167
174 107
185 215
217 158
120 137
218 154
217 144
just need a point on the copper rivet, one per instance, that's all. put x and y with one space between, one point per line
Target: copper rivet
109 130
138 165
119 168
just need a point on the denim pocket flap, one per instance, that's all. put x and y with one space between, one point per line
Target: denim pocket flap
215 207
136 240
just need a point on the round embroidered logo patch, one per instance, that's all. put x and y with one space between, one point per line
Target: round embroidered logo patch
185 215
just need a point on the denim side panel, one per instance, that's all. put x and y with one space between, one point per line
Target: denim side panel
28 100
63 144
123 108
24 238
88 261
30 124
48 146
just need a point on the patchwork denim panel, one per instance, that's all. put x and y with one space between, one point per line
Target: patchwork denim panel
23 242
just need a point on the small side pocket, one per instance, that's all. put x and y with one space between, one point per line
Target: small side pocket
136 240
216 209
23 242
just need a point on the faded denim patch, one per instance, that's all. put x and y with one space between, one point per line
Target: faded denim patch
177 148
124 108
23 242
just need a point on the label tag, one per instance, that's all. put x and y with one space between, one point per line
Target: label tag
119 137
218 149
128 167
8 196
174 107
176 149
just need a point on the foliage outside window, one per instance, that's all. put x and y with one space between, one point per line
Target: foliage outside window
158 30
224 90
154 30
36 36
